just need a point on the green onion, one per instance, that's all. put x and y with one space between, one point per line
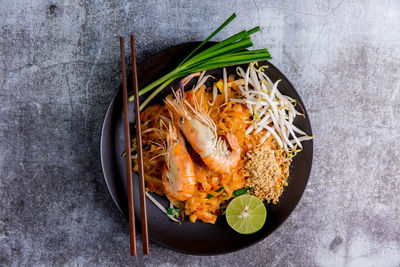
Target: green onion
230 48
242 191
173 212
254 30
219 189
232 17
228 52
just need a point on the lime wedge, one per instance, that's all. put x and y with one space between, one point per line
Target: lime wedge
246 214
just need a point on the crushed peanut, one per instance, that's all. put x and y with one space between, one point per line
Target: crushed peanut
267 170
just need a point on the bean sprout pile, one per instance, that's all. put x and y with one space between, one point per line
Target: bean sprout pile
271 110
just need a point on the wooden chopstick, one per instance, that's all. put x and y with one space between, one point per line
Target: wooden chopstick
143 207
128 158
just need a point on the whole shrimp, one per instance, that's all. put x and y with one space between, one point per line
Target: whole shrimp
201 132
178 172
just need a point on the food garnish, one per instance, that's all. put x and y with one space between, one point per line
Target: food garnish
229 52
173 212
242 191
271 110
246 214
216 191
219 189
267 170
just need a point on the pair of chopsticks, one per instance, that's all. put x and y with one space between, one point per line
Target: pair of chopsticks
132 230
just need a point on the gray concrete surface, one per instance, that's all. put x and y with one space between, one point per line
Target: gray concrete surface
59 67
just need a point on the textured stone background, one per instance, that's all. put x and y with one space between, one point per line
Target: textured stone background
59 67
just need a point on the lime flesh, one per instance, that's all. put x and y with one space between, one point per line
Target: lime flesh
246 214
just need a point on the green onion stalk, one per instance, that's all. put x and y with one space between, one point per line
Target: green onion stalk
229 52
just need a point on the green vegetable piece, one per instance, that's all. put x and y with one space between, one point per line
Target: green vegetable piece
219 189
239 192
173 212
226 53
223 25
210 196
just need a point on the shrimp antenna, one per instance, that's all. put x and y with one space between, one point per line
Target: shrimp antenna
159 155
165 118
202 115
151 130
182 88
162 122
178 104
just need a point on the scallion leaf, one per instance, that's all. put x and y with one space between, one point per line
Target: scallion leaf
173 212
219 189
254 30
242 191
223 25
229 52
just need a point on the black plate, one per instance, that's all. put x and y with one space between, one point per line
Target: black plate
198 238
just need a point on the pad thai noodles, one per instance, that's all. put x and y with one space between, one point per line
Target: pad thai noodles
204 146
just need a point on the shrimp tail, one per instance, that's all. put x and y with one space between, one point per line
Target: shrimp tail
177 105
